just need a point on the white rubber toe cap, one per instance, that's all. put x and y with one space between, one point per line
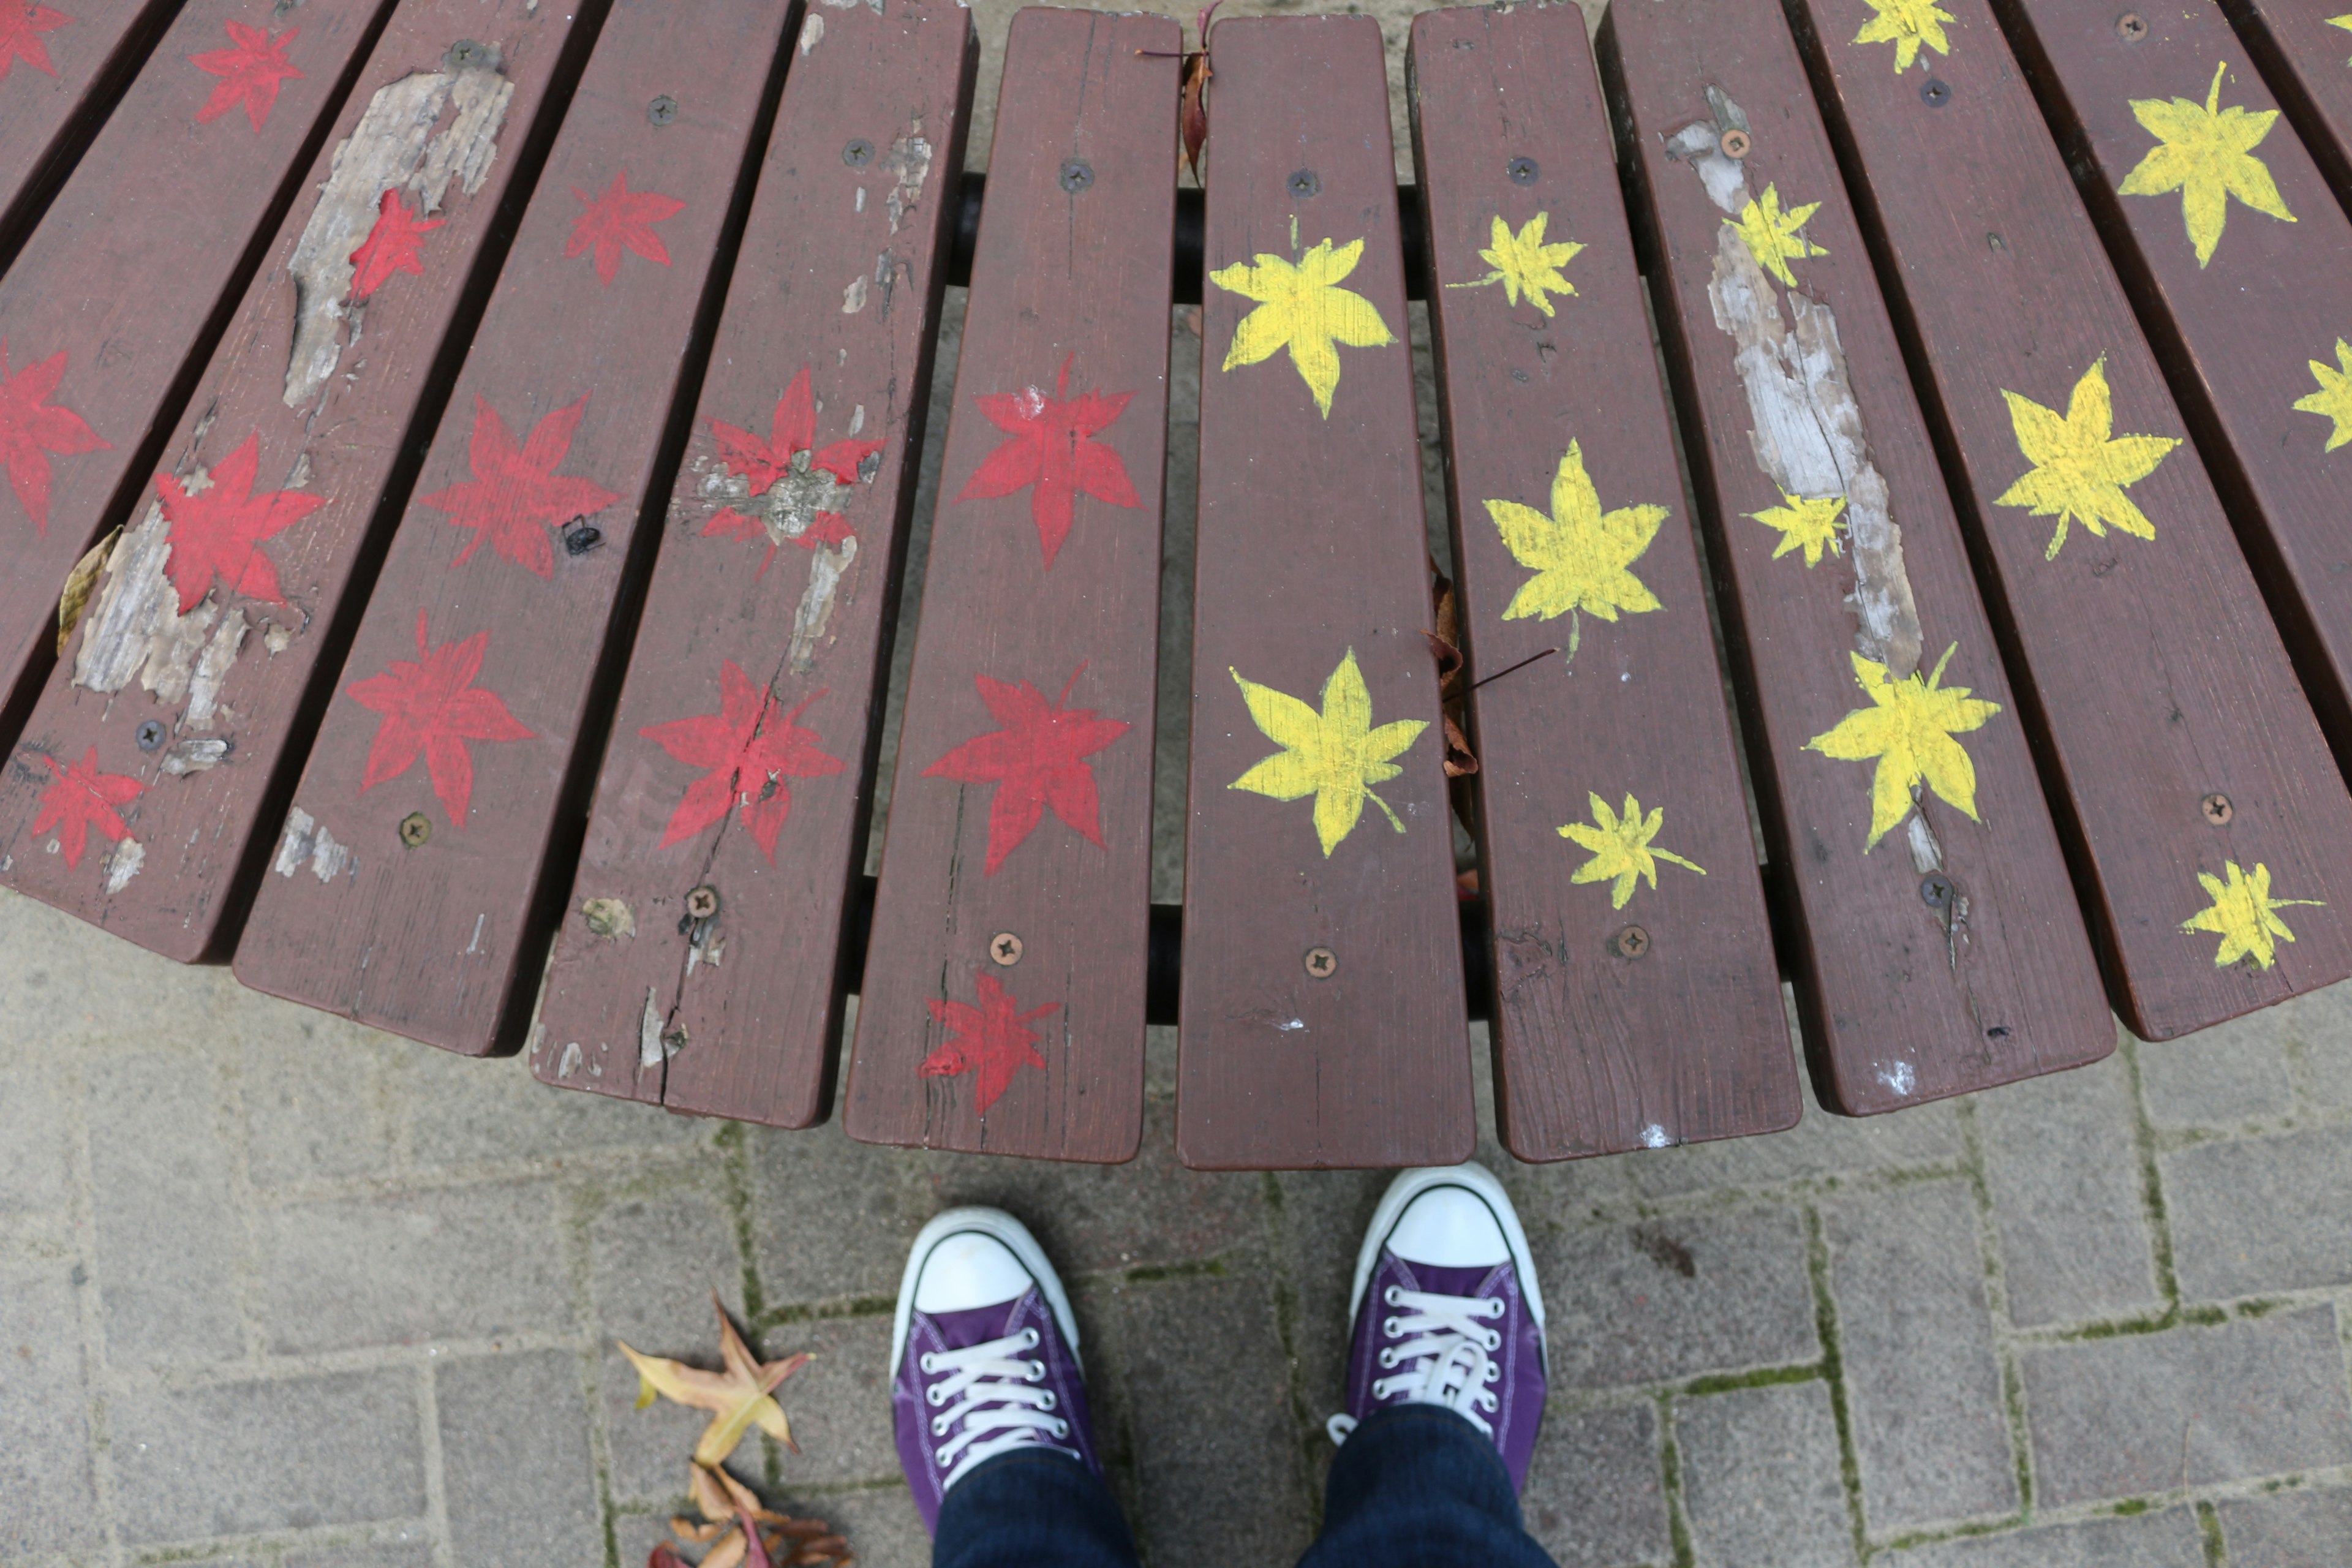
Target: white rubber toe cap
968 1271
1450 1227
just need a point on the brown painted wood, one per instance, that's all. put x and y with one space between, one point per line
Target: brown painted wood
1021 813
62 69
192 683
1312 543
125 298
495 568
1595 1052
2161 679
2305 50
1903 1000
874 113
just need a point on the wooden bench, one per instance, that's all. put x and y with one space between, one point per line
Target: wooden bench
462 524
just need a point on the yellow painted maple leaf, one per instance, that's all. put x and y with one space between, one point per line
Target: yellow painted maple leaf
1303 309
2344 22
2334 399
2080 466
1906 24
1335 755
2243 915
1908 728
740 1398
1581 555
2207 153
1810 524
1774 238
1621 848
1524 264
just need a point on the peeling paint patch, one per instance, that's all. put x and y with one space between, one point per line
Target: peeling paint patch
853 296
307 841
826 564
278 638
1654 1137
570 1061
910 163
654 1045
195 754
610 918
811 34
123 864
137 630
1900 1077
212 668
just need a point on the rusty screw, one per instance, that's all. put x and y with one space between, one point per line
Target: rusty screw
702 902
2217 809
1520 171
858 154
1734 143
1322 962
1631 942
1077 175
1935 92
662 111
416 829
1306 182
1004 949
150 734
1935 891
2131 26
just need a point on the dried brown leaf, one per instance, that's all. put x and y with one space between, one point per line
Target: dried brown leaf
75 596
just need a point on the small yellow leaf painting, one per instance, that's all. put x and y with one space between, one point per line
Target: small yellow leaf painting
1336 755
2207 153
2080 467
1621 847
1906 24
1908 728
2344 22
1808 523
1303 309
1775 237
1581 555
2243 915
1524 264
2334 399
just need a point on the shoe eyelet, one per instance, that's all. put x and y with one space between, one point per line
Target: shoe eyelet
1392 1296
937 1394
1037 1371
1494 1371
1388 1328
940 1456
939 1427
1061 1428
1497 1306
1047 1400
925 1361
1388 1358
1488 1403
1029 1339
1494 1340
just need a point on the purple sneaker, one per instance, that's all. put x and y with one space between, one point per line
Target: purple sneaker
984 1354
1446 1310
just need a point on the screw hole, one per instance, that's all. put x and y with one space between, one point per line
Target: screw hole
1306 182
1520 171
2131 26
1077 175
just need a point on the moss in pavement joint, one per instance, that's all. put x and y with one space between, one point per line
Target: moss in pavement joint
2159 1226
2130 1506
1763 1377
1670 1465
2208 1525
735 1162
1825 1325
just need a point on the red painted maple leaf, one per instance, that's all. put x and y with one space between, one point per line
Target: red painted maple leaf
763 463
621 219
515 496
249 73
1053 447
391 245
82 798
991 1041
31 428
1037 759
748 751
433 706
21 27
216 532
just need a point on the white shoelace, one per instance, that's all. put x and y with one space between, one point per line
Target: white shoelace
994 1397
1447 1354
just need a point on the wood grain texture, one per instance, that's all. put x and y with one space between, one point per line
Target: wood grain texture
1595 1052
467 683
59 77
893 89
137 250
190 676
2159 679
1040 631
1312 545
1802 391
2305 51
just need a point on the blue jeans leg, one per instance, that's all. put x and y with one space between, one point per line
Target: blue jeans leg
1031 1507
1418 1487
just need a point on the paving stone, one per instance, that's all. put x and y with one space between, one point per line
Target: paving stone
2066 1195
286 1454
452 1263
1321 1219
839 1404
518 1484
2149 1413
2251 1214
1760 1478
2316 1025
47 1500
66 982
1923 1388
34 1154
1596 1495
2303 1529
416 1554
2165 1540
831 1219
315 1103
2222 1076
168 1230
1675 1297
636 1536
466 1111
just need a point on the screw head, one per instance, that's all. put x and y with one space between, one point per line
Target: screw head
2217 809
702 902
1734 143
1004 949
1322 962
1520 171
416 829
2131 26
1077 175
1935 92
1305 183
1935 891
150 734
468 55
858 153
1631 942
662 111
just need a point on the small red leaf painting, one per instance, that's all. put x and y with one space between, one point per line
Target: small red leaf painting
216 532
991 1041
621 219
82 798
515 494
1038 759
31 427
750 751
21 27
790 453
391 245
1053 447
249 73
431 706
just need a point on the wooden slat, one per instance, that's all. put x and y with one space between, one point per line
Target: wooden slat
190 668
467 685
130 260
1312 548
1018 863
2304 48
1950 955
2161 679
1596 1051
62 70
859 181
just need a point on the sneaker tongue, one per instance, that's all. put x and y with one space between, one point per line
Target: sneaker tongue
1439 1281
978 1325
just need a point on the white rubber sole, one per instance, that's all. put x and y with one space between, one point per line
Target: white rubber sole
1003 1227
1410 1184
